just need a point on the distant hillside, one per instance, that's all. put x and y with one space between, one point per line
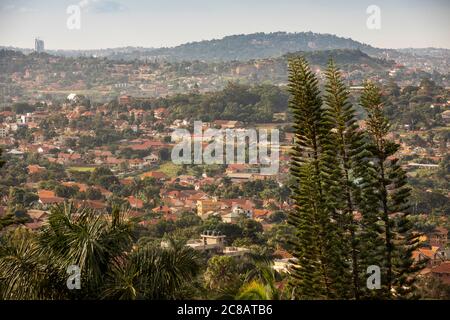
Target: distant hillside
231 48
262 46
430 52
343 57
104 78
259 46
348 59
355 63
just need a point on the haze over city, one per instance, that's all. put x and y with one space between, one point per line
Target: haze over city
157 23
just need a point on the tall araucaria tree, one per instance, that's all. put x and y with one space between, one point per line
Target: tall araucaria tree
349 152
350 194
316 274
389 203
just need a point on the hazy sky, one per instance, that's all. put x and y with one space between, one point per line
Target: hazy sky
155 23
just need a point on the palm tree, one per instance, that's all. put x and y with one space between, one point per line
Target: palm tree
85 238
259 283
221 275
136 187
25 271
255 290
258 278
151 272
34 265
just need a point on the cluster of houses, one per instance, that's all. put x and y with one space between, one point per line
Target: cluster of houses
157 79
148 146
178 193
436 254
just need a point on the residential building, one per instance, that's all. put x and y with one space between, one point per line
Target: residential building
3 131
209 240
206 207
442 272
125 99
438 237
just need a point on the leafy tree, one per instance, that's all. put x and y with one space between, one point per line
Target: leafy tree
2 162
251 229
164 154
93 194
277 217
231 231
66 191
22 107
19 196
281 236
221 273
104 177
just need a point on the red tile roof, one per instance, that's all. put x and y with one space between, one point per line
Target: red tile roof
162 209
93 204
81 186
443 268
35 169
49 197
154 174
135 202
260 213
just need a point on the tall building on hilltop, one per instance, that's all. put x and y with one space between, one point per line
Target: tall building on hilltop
39 45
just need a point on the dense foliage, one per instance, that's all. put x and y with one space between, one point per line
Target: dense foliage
340 170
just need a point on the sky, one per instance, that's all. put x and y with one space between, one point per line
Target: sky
166 23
